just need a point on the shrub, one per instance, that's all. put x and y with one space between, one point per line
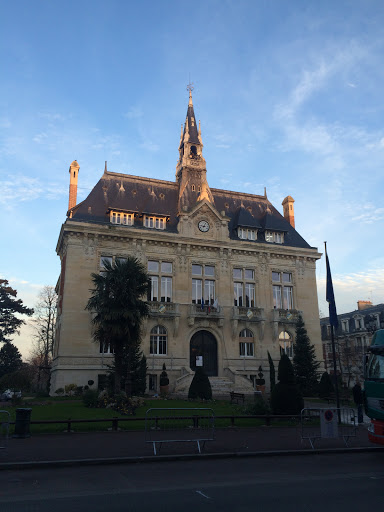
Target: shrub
259 406
91 398
70 389
59 392
164 381
325 386
78 391
286 397
200 386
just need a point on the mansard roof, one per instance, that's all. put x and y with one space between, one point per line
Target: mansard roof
147 196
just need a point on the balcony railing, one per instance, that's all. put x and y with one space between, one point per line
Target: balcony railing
206 312
164 309
247 314
286 315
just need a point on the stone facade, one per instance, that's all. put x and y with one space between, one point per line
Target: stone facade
232 251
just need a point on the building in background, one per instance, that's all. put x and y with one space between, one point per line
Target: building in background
229 274
353 335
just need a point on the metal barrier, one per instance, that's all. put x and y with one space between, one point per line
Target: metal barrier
324 423
179 425
5 419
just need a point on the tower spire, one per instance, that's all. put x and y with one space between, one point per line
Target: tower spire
191 168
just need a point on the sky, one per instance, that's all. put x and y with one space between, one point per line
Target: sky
289 95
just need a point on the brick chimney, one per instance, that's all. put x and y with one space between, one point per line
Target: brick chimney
289 211
363 304
73 176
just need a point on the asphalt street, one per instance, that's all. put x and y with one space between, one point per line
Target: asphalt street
331 482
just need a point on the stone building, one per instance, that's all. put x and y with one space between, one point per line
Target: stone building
352 337
229 274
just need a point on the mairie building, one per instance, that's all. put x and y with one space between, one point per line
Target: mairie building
229 275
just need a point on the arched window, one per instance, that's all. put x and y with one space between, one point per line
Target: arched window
158 340
246 345
286 344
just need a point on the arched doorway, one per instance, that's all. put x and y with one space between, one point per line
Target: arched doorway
204 344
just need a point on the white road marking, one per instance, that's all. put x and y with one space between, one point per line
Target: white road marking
199 492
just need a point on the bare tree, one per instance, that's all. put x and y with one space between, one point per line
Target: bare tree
44 323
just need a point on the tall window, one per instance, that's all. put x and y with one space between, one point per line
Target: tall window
158 340
286 344
345 325
106 348
282 290
203 284
160 273
244 287
246 344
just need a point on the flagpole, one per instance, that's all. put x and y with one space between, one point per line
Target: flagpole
332 312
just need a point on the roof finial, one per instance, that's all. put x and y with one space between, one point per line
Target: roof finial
190 89
105 166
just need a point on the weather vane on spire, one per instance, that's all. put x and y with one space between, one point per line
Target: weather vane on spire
190 85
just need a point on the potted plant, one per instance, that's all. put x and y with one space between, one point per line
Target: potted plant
260 382
164 382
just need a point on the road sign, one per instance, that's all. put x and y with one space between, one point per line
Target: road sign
328 423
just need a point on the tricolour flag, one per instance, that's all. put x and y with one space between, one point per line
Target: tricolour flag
330 297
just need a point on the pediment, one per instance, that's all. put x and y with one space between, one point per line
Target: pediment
204 207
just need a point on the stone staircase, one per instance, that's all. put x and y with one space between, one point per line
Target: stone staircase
221 387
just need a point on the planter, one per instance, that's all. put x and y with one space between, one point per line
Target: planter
164 390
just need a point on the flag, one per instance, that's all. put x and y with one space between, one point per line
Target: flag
216 305
330 297
202 302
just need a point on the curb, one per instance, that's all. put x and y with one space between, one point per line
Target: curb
185 457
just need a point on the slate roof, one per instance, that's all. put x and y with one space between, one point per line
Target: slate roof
140 196
192 125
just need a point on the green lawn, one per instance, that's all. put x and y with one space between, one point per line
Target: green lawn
59 409
64 409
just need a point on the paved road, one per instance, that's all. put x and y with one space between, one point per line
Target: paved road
299 483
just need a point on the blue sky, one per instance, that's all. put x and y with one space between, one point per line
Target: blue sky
289 95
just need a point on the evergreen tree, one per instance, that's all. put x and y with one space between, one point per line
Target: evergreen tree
200 386
286 397
272 372
304 360
10 359
9 307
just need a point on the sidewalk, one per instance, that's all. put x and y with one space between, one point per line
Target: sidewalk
114 447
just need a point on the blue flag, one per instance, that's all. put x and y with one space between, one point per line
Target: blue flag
330 297
202 302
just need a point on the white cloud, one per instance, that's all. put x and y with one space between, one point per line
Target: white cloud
19 188
349 288
134 113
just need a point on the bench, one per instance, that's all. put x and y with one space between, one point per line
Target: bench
237 397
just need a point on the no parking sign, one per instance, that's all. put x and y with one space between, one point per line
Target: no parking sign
328 423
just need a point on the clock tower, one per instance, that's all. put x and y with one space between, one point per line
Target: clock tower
191 172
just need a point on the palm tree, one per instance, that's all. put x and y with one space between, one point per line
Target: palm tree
118 307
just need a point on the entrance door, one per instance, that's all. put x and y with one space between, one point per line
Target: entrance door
204 347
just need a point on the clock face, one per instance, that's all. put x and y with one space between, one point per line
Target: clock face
203 226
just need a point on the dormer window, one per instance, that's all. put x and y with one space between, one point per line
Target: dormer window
193 188
274 236
247 234
124 219
154 222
